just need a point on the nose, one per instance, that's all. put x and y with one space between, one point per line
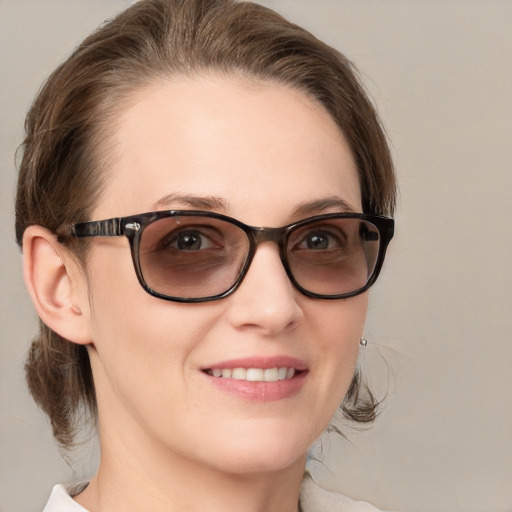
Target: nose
266 299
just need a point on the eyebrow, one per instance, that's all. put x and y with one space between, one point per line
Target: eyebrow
209 203
212 203
335 203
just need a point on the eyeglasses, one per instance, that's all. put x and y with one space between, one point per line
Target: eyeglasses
196 256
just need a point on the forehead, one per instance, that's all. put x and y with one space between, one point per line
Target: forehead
259 147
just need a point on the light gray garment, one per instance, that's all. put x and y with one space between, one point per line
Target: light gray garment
314 498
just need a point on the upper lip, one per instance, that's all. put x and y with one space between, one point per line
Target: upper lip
260 362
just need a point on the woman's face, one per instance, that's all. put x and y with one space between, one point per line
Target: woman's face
266 155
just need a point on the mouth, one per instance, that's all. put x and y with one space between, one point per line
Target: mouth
254 374
259 379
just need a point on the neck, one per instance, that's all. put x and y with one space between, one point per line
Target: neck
137 479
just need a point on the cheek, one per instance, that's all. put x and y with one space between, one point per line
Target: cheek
141 343
339 327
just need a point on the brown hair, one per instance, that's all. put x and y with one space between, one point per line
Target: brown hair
65 152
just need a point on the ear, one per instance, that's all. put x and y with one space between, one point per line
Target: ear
57 285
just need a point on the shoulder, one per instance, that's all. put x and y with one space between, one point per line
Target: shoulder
61 500
315 499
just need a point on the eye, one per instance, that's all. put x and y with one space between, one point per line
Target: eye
187 240
320 240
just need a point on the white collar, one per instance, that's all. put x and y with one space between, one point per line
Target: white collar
61 498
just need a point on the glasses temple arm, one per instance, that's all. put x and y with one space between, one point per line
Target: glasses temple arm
109 227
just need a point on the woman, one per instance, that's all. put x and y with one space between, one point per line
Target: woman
211 352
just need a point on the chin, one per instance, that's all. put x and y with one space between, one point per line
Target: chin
243 465
262 453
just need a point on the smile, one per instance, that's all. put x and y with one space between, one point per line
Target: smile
259 379
253 374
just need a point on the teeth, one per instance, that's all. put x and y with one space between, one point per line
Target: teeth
239 374
271 375
254 374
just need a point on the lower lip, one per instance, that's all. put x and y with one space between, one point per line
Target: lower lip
261 391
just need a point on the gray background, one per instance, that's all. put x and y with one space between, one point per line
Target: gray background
440 318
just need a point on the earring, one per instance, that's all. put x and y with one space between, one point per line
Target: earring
363 341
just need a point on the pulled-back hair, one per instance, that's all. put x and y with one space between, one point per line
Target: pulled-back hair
68 128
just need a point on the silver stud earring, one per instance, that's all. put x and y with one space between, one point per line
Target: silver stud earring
363 341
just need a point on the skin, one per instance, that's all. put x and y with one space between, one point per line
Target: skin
170 438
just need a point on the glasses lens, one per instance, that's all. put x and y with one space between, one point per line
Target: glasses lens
192 257
333 256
